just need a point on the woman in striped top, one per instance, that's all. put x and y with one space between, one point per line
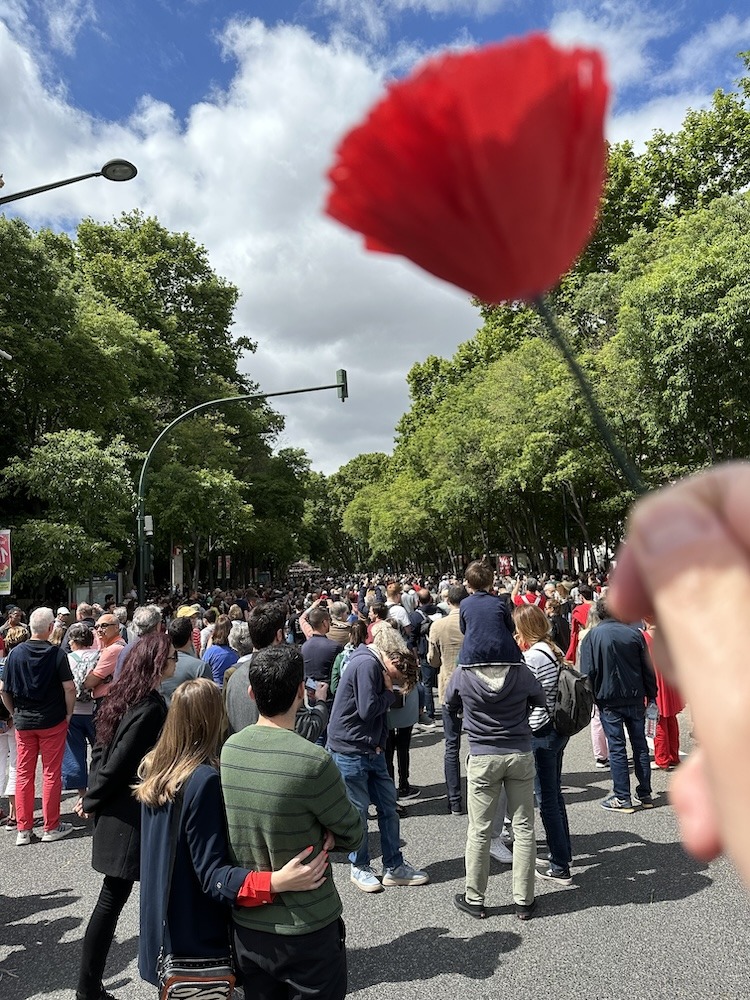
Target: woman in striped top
543 659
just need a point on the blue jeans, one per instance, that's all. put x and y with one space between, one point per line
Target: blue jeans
75 772
452 725
614 723
428 679
548 756
367 780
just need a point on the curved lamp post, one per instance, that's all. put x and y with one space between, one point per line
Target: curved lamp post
113 170
341 384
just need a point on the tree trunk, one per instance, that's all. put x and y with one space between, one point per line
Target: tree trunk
197 566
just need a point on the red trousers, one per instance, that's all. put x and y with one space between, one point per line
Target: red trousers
30 743
667 741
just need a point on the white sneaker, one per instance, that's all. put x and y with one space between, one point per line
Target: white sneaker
500 852
62 831
365 879
23 838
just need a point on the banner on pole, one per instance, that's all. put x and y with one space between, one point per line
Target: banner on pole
504 566
5 563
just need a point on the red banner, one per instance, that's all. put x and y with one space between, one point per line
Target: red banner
504 565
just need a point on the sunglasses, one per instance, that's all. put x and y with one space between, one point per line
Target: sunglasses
104 625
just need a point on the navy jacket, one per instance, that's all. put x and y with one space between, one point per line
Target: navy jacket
204 884
487 626
615 658
358 720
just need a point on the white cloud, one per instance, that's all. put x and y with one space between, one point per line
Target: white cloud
245 175
666 113
371 18
624 32
14 13
65 20
719 38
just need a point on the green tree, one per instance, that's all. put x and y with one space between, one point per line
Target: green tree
81 484
163 280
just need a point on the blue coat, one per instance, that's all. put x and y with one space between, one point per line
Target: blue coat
615 659
204 884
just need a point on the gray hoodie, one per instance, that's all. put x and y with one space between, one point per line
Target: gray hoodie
497 700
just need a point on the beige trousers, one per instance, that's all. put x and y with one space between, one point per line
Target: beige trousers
487 775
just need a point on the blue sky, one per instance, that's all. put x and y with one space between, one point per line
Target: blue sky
108 55
231 112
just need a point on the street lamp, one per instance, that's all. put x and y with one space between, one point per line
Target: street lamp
341 386
113 170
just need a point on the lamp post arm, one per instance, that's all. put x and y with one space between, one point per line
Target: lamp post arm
47 187
183 416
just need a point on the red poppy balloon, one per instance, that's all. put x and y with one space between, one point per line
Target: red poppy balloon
484 167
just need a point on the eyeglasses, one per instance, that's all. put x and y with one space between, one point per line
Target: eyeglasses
172 659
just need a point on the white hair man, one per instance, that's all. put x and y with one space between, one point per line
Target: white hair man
146 619
39 692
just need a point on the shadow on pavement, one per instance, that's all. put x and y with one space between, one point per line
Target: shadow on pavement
621 869
40 961
426 953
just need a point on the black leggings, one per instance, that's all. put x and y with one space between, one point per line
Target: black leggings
99 934
399 741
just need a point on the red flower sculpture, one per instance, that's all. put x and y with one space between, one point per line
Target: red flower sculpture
483 167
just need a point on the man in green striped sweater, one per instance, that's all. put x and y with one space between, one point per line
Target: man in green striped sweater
282 794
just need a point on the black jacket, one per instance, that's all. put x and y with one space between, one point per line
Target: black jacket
615 658
116 846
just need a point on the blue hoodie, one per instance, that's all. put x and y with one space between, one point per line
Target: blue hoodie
358 722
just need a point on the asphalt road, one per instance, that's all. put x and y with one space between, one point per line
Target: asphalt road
642 919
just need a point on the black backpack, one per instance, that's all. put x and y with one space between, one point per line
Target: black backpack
574 701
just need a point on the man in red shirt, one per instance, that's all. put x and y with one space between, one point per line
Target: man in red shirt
99 680
532 594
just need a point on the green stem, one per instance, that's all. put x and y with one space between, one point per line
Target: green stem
621 459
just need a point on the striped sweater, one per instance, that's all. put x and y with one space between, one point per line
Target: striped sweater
281 793
543 664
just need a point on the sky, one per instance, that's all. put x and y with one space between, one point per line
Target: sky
232 111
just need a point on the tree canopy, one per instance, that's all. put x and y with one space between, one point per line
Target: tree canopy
114 332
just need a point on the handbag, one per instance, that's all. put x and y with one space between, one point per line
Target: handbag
188 978
195 978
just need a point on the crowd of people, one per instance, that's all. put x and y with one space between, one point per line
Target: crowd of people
236 741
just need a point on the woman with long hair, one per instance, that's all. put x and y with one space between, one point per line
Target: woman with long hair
181 772
544 658
127 727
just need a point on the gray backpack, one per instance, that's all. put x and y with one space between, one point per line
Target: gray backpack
574 701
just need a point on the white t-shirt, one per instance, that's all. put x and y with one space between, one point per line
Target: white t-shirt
397 614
